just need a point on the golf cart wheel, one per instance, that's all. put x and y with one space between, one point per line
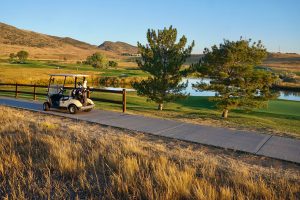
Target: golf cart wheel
46 106
72 109
88 110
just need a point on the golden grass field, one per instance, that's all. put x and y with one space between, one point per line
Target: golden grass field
46 157
8 74
283 62
67 52
37 72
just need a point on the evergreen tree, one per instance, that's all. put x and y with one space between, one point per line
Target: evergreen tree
231 66
162 58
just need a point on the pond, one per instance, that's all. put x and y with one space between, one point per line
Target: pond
286 95
119 89
289 95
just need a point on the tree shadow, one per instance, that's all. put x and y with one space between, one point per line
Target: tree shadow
197 102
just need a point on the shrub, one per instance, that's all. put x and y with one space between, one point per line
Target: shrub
112 63
12 57
22 56
97 60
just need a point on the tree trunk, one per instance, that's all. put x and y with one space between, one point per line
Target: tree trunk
160 106
225 113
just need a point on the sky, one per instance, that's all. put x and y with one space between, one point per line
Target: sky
207 22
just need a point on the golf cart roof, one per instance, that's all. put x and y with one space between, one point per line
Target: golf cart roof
70 75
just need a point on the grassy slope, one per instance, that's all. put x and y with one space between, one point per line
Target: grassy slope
282 62
277 61
51 157
42 46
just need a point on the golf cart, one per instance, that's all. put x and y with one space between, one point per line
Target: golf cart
77 97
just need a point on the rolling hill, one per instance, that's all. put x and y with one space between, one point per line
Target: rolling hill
43 46
283 61
280 61
118 47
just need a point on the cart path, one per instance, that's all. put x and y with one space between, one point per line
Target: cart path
251 142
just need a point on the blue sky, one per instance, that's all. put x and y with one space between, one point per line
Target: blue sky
208 22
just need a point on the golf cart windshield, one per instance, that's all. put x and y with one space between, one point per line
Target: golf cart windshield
55 87
58 82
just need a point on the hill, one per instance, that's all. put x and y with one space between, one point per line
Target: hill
118 47
283 61
14 36
42 46
280 61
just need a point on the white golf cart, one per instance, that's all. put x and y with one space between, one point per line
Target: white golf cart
77 97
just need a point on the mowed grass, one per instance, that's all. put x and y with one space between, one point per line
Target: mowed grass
46 157
285 107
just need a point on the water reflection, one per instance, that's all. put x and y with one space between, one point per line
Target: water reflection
289 95
189 89
286 95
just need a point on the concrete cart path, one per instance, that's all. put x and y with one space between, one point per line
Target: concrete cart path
256 143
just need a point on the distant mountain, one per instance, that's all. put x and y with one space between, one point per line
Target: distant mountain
118 47
73 42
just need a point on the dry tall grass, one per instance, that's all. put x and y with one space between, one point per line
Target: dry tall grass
50 157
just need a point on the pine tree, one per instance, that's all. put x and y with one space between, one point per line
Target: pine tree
162 58
231 66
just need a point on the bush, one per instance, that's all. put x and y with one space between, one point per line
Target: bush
21 56
12 57
97 60
112 63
